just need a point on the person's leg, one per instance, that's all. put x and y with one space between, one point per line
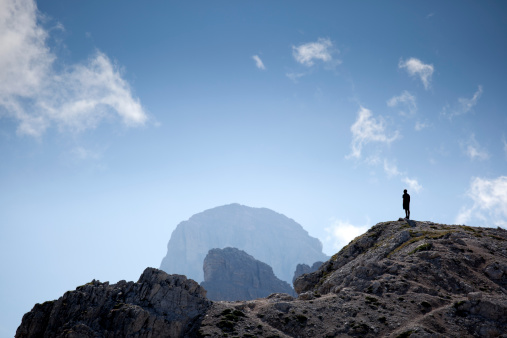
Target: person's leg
408 213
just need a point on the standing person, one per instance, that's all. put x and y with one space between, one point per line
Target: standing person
406 203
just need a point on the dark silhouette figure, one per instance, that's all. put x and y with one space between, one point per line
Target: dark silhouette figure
406 203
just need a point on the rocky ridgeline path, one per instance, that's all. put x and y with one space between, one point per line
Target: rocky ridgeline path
399 279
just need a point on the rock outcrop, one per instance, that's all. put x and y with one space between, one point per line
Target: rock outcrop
231 274
302 269
399 279
158 305
417 279
270 237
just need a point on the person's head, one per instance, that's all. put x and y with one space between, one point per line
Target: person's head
405 191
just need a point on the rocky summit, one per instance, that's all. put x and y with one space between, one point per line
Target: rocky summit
158 305
268 236
232 274
400 279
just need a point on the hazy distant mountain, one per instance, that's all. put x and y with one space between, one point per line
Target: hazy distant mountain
266 235
231 274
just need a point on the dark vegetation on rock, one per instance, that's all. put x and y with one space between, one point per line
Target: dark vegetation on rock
399 279
268 236
231 274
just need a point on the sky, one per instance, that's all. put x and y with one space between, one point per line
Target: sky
118 120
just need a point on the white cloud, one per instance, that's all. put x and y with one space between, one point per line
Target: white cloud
489 207
294 76
473 150
415 67
463 105
406 100
391 169
413 184
340 233
35 94
307 53
258 62
421 125
367 129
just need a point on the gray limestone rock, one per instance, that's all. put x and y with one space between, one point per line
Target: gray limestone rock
157 305
301 269
270 237
231 274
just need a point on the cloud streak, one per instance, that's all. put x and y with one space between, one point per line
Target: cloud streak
391 170
473 150
258 62
405 100
463 106
367 129
37 96
416 67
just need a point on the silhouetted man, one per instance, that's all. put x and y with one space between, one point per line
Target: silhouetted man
406 203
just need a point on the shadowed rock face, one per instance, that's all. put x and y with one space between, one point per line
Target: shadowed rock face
231 274
157 305
270 237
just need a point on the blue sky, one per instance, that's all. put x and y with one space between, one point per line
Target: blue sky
119 119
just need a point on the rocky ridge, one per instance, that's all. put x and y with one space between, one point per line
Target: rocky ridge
231 274
399 279
158 305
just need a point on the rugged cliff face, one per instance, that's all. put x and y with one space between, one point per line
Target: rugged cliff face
270 237
302 269
158 305
231 274
399 279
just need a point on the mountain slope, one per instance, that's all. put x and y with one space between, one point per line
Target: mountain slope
399 279
268 236
232 274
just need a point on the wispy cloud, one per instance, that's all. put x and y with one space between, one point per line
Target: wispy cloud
463 106
295 76
391 170
307 53
258 62
489 197
407 101
420 125
473 150
413 184
340 233
416 67
368 129
38 96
